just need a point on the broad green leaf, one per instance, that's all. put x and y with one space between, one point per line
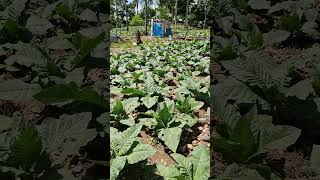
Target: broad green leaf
184 165
164 117
149 101
315 159
66 134
76 76
58 93
170 137
38 26
5 122
85 46
70 92
301 90
168 171
275 37
140 153
104 120
64 11
88 95
187 119
27 55
133 92
121 142
201 162
117 108
116 165
244 135
259 4
88 15
14 10
26 149
274 136
310 28
58 42
17 90
130 104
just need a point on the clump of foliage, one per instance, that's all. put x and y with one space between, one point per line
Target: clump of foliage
50 49
136 21
142 87
257 100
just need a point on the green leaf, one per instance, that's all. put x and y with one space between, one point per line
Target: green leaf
187 119
259 4
273 136
149 101
27 55
76 76
164 117
116 165
38 26
66 134
275 37
184 165
26 149
201 162
121 142
244 135
256 40
315 159
310 28
130 104
58 93
104 120
5 122
170 137
290 22
88 15
85 46
132 92
140 153
70 92
58 42
64 11
88 95
117 109
168 171
14 10
17 90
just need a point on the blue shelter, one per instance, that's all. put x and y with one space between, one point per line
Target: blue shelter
160 29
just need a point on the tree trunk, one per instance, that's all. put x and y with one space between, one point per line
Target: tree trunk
127 23
187 14
206 14
145 17
116 11
137 5
175 14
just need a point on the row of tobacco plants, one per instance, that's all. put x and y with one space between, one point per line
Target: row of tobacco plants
53 89
265 95
158 91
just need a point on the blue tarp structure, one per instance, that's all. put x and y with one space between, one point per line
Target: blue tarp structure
157 30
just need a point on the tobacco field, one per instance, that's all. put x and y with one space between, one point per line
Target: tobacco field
53 89
160 115
265 90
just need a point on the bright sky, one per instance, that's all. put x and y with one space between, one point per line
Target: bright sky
154 5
